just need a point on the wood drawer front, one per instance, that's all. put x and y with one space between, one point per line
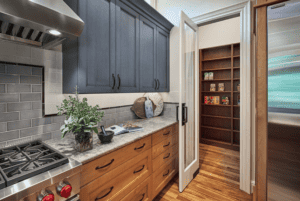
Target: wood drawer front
165 157
162 176
142 192
104 164
164 145
162 135
116 184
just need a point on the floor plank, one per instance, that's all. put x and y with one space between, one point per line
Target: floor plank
218 179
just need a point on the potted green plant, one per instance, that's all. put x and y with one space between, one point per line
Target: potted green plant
81 120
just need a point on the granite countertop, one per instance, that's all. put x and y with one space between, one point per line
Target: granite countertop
65 146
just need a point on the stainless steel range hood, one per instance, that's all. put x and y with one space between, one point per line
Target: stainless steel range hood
31 21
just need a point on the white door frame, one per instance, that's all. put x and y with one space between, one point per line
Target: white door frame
246 125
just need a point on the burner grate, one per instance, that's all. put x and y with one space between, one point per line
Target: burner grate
27 160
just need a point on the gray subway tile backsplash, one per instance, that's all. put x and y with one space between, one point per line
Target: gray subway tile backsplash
36 71
30 97
3 127
37 105
2 68
18 88
30 79
41 121
17 69
3 107
11 135
2 88
12 116
16 125
6 98
37 88
31 114
43 137
9 78
12 107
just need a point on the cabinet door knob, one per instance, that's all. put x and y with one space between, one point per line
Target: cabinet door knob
113 75
119 81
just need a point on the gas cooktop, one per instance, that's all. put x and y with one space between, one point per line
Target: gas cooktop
23 161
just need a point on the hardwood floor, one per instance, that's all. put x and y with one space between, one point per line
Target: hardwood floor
218 179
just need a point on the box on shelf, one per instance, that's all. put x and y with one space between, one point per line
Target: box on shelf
212 87
225 100
211 75
206 76
215 100
221 87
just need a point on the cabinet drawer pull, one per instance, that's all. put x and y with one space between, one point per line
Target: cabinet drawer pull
167 133
140 147
97 168
113 75
166 145
119 81
155 84
105 194
158 83
167 156
166 173
142 197
139 170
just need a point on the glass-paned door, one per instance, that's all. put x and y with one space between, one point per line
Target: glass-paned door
188 107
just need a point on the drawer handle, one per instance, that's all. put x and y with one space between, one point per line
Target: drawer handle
140 147
166 173
139 170
142 197
105 194
166 145
167 156
167 133
97 168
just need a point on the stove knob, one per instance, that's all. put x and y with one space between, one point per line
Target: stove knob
64 189
46 196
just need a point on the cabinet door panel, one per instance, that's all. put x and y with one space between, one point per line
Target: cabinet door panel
127 49
162 60
97 46
147 55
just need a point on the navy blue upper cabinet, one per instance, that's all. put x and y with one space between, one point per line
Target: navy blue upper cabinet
127 52
162 52
95 49
124 48
148 82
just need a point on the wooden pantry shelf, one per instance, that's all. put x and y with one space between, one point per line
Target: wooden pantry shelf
216 91
214 116
216 128
217 122
219 58
217 69
216 80
220 105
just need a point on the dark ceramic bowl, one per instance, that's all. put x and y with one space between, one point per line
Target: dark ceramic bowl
106 139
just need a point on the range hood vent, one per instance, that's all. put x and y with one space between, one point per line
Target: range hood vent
31 21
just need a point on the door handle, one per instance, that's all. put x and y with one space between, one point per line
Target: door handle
183 116
158 83
177 109
119 81
155 84
113 75
186 114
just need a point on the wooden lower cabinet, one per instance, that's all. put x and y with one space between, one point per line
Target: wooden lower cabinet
142 192
131 173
